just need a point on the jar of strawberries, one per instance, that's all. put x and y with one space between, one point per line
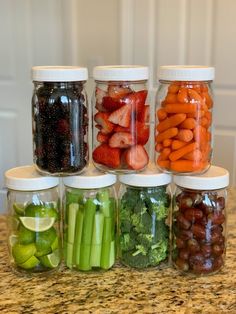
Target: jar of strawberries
199 221
120 118
183 139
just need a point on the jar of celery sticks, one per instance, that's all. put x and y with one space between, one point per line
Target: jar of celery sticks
90 221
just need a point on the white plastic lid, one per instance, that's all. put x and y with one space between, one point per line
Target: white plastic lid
59 73
90 179
120 73
213 179
150 177
186 73
26 178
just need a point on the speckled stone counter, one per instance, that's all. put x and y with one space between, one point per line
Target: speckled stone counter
121 290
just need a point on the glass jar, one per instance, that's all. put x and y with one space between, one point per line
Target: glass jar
199 222
120 118
90 221
60 120
34 239
144 219
184 102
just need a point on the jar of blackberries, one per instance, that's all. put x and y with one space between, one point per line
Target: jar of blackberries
199 222
59 119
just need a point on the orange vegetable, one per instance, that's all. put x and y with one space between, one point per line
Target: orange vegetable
171 122
164 154
171 98
183 95
167 142
195 155
185 135
177 154
188 123
176 144
181 108
186 166
161 114
166 134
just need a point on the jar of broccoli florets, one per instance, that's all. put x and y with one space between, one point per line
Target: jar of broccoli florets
144 201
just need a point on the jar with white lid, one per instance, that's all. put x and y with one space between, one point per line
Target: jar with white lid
144 219
60 119
184 102
199 222
33 205
120 118
90 224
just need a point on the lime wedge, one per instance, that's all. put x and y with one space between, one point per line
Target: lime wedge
19 209
37 224
30 263
22 253
51 260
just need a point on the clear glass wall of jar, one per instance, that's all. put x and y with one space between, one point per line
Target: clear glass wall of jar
184 102
144 219
120 118
34 238
60 120
90 221
199 222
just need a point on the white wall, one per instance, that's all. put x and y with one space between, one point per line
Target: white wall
88 32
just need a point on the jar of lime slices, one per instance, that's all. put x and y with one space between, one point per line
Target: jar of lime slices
34 239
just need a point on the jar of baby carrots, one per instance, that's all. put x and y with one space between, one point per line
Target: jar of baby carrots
183 131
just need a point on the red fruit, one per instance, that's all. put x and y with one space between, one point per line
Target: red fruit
102 138
121 140
107 156
121 116
102 118
142 133
118 91
136 157
144 114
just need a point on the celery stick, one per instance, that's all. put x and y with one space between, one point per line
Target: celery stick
72 211
103 198
87 232
96 246
69 254
106 243
78 235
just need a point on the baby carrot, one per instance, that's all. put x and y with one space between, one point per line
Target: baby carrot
166 134
176 144
171 122
195 155
161 114
171 98
188 123
164 154
186 166
181 108
165 164
185 135
167 142
183 95
177 154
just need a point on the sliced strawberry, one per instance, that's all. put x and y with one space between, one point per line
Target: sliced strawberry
110 104
102 138
121 140
107 156
142 133
121 116
118 91
144 114
136 157
102 118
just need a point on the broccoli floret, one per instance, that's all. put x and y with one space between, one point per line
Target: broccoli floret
158 252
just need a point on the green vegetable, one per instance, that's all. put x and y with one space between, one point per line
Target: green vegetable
144 234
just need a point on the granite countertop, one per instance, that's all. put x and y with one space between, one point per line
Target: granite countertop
121 290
